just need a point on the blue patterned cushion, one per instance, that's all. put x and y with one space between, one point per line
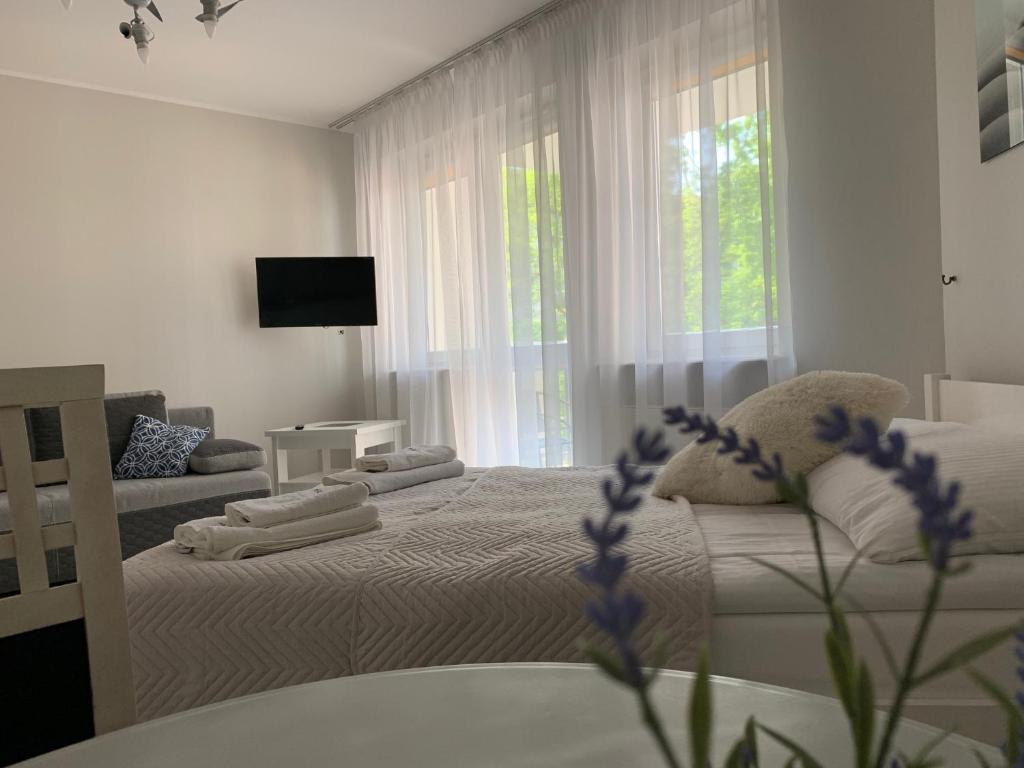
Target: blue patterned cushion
156 449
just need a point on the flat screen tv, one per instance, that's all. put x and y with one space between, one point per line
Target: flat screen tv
306 292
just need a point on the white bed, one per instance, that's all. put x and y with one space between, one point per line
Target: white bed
203 632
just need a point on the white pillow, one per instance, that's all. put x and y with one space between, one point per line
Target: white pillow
781 419
879 518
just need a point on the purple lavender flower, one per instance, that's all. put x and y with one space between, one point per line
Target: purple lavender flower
768 470
616 612
940 525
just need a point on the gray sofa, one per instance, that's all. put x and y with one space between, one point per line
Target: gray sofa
148 509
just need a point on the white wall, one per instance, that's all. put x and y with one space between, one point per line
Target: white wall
982 221
859 106
128 230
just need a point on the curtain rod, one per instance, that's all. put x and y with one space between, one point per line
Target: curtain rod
354 115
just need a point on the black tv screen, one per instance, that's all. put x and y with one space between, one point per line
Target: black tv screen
316 291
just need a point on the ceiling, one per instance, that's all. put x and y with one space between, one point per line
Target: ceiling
302 61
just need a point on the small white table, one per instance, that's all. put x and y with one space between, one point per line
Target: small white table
325 436
500 715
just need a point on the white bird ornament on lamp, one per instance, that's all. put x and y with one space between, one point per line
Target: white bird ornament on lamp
135 29
212 11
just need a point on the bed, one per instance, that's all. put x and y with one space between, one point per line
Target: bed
480 569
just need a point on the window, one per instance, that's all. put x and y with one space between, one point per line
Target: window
741 216
537 324
712 278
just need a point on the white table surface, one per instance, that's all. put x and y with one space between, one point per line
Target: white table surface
512 715
326 436
357 426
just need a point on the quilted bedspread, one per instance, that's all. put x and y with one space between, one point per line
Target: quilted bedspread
475 569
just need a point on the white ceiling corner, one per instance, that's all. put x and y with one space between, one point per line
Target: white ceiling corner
300 61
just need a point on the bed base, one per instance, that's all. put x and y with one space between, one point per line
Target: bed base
787 649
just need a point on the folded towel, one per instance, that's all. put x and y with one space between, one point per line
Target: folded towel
211 538
187 534
405 459
383 482
262 513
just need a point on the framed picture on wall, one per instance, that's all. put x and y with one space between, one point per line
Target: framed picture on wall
1000 34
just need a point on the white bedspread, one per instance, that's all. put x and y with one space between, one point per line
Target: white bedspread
473 569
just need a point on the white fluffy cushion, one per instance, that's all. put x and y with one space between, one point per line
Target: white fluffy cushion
878 516
781 419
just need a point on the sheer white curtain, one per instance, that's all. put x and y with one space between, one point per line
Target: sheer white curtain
577 226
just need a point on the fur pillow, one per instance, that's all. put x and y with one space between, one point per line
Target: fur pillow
781 419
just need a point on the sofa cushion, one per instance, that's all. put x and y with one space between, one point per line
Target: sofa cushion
121 410
194 416
31 440
150 493
157 449
213 456
46 435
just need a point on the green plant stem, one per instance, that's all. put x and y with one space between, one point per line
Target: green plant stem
653 723
819 551
826 584
839 629
828 597
910 669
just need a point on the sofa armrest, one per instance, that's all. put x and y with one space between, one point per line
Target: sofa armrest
196 416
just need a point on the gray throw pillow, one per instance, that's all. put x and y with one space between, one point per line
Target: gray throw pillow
216 455
121 410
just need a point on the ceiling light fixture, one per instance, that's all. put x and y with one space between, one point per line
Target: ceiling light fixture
136 29
212 11
66 4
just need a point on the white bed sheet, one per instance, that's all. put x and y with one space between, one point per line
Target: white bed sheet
780 534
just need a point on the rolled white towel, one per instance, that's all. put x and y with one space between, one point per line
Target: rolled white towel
383 482
188 535
405 459
275 510
213 539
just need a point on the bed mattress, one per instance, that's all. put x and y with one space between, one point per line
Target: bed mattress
780 535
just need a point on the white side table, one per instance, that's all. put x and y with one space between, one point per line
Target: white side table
325 436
